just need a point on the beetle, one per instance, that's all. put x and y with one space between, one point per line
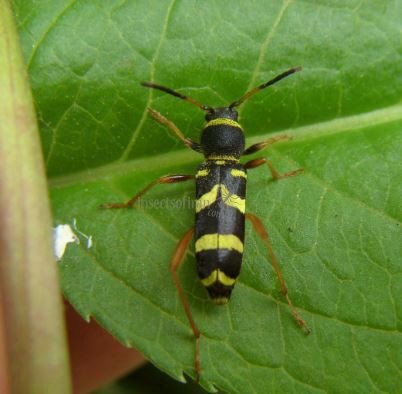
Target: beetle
220 201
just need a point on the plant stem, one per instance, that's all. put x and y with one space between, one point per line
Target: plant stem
34 330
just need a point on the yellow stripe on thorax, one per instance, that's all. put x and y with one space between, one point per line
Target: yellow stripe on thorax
218 241
222 159
223 121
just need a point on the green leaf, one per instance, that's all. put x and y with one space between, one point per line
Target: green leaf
335 228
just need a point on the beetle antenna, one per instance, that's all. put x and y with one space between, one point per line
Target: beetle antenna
176 94
285 74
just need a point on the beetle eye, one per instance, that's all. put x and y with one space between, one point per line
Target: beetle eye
210 114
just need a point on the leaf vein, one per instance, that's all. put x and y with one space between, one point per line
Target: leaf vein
340 125
153 62
265 46
311 312
47 31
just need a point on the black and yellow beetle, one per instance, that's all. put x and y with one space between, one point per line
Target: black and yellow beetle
220 202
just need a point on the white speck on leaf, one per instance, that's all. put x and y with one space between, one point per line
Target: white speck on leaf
63 235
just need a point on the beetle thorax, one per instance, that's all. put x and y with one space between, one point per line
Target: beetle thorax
222 135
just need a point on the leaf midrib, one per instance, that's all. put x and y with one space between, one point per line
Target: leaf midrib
164 160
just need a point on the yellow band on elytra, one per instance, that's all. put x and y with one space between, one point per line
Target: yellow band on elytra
218 276
238 173
210 279
218 241
228 198
225 279
207 199
233 200
204 172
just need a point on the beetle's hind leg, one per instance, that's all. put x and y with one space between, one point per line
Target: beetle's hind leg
262 232
175 264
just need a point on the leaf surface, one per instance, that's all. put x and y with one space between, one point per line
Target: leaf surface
335 228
